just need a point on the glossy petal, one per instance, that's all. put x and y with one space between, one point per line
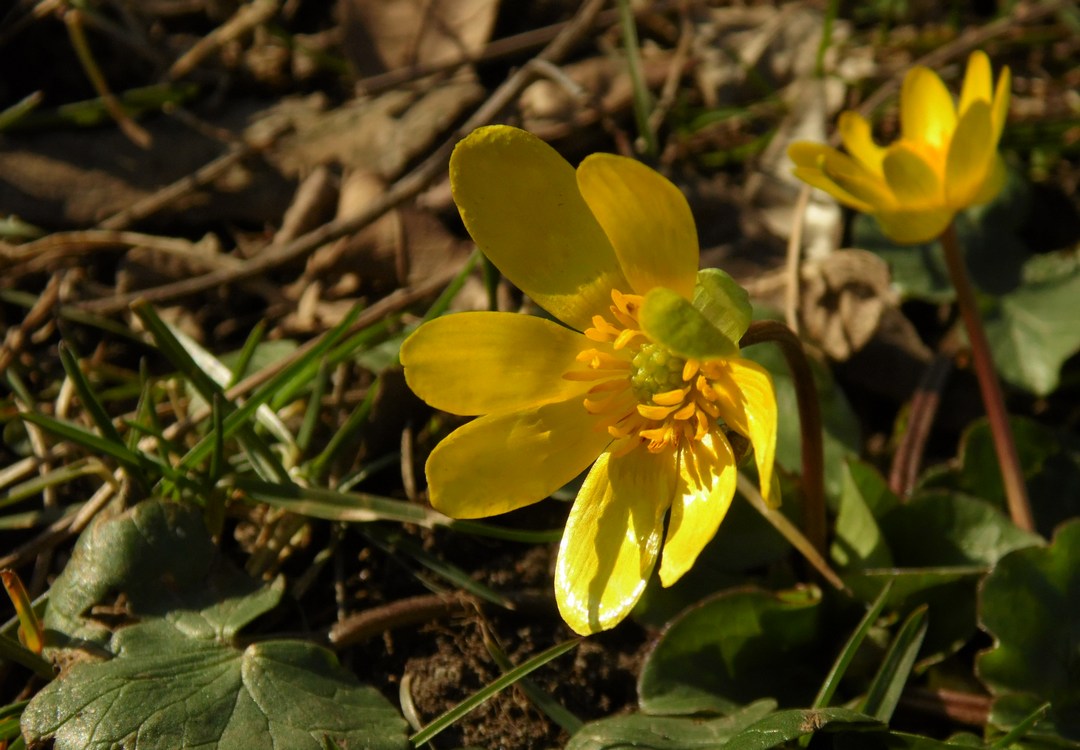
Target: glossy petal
913 182
927 113
858 140
703 493
748 404
484 362
647 220
914 227
612 538
500 462
838 175
971 156
978 82
993 184
520 202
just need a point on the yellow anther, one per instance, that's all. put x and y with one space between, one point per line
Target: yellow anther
650 411
686 412
671 398
690 369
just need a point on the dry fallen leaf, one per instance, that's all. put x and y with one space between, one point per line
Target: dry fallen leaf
382 35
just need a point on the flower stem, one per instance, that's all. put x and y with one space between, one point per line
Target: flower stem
810 425
989 386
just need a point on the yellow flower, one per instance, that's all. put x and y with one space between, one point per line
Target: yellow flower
946 159
553 399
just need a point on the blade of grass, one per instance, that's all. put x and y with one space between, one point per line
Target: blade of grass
338 506
262 458
240 417
90 402
431 730
832 680
1020 731
554 710
888 683
247 351
394 542
80 467
314 408
642 100
356 419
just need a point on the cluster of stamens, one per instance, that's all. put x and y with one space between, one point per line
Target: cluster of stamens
644 394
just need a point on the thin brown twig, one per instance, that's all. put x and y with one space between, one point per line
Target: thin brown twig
904 471
404 189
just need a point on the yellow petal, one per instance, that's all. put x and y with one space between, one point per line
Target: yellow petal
927 113
647 220
612 538
914 227
520 202
978 82
747 402
1000 110
500 462
993 184
484 362
703 493
912 181
858 140
838 175
971 158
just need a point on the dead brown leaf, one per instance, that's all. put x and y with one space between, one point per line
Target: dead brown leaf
382 35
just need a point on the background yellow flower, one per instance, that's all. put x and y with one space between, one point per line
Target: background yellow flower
945 160
590 246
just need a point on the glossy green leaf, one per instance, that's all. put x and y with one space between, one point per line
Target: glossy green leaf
1034 329
723 302
164 690
1050 458
1028 604
937 529
674 322
1028 717
645 732
161 558
858 541
884 693
753 727
747 637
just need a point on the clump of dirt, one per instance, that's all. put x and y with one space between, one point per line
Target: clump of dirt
594 680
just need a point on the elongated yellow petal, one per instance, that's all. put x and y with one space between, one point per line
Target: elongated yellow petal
978 82
747 402
993 184
927 113
647 220
971 158
914 227
484 362
520 202
612 538
838 175
500 462
703 493
912 181
858 140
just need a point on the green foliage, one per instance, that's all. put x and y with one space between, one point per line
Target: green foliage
1028 604
1030 310
754 727
747 636
165 689
177 678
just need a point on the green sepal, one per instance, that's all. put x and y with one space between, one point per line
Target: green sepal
676 324
723 301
